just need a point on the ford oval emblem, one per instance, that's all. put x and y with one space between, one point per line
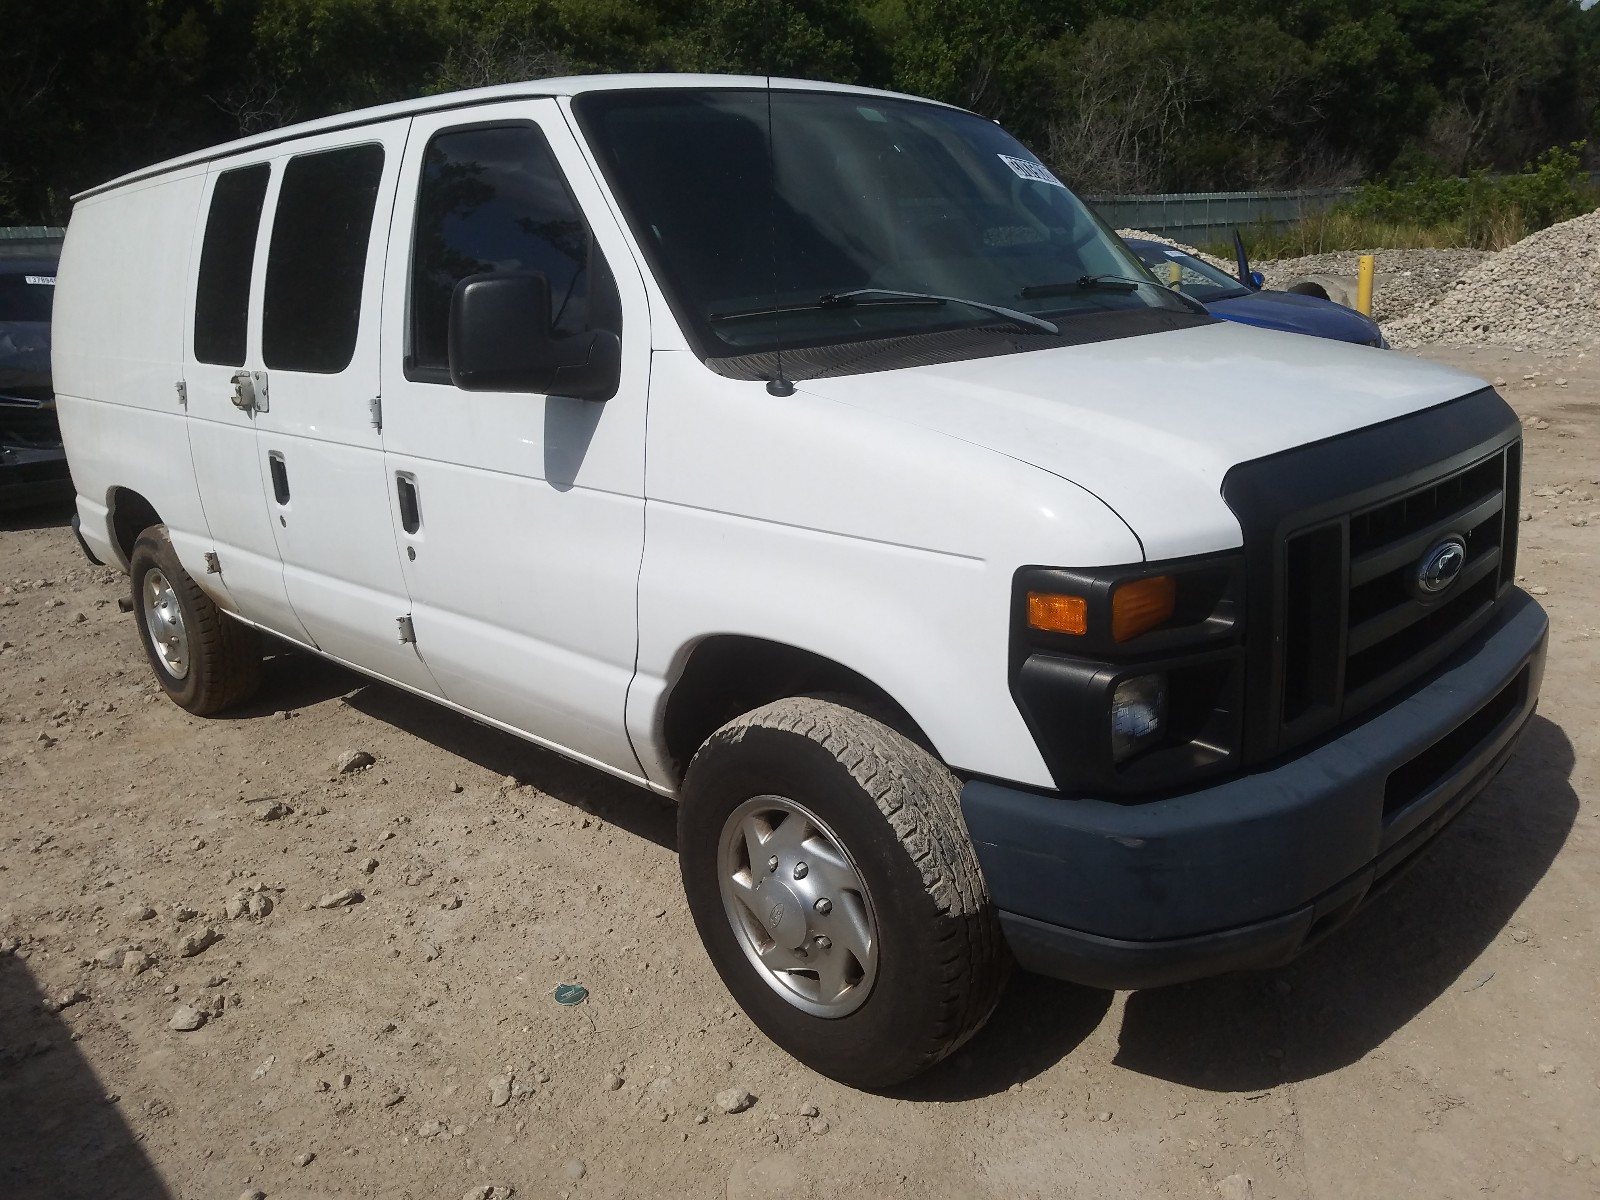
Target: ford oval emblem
1441 566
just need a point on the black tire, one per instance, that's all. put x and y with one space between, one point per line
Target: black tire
894 809
222 667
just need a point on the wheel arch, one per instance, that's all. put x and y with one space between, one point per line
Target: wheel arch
130 515
727 675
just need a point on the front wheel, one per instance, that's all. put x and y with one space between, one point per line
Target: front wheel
837 892
204 659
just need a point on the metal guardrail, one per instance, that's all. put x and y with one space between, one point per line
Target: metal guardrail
1212 216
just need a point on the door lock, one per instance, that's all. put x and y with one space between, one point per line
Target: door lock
250 391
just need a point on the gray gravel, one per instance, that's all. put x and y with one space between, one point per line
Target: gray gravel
1542 294
1404 280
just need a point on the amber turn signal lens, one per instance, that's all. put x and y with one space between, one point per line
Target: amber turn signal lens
1058 614
1142 605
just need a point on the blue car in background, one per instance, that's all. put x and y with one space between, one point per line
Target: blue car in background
1249 303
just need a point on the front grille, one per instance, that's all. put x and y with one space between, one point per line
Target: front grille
1356 629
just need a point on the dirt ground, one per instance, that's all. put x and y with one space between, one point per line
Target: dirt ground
1443 1044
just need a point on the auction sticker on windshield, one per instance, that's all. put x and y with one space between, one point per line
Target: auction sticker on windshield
47 280
1028 169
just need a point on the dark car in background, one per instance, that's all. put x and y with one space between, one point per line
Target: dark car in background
33 465
1244 299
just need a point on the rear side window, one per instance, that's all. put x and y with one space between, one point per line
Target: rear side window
317 259
493 199
222 291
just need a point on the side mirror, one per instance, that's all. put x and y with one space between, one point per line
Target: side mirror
500 341
1258 279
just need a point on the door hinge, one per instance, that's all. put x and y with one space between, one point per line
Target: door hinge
408 632
375 407
213 564
182 389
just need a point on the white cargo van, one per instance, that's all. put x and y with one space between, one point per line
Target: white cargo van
813 456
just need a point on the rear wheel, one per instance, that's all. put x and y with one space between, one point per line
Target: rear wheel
204 659
836 890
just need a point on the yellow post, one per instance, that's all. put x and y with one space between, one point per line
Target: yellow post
1174 273
1364 285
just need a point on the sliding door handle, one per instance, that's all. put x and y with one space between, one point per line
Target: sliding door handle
280 476
410 510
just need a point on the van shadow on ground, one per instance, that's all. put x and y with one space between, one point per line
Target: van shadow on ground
631 809
295 679
60 1138
1345 997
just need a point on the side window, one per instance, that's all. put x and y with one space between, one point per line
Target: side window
493 199
227 256
318 258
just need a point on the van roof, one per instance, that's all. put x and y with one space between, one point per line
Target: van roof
529 89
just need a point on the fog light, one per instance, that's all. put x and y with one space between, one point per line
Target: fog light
1138 713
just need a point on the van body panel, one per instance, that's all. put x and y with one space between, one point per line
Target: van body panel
1154 443
227 461
895 559
117 346
523 569
334 526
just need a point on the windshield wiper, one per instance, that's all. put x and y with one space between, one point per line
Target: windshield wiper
1107 283
882 296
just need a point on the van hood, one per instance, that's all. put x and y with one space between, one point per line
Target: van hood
1151 424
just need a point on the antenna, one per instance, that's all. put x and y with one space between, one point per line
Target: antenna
779 384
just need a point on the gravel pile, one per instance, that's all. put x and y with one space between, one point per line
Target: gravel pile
1405 279
1166 241
1541 294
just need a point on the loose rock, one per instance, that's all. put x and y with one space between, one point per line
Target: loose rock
185 1019
353 760
1234 1187
735 1100
136 962
194 943
613 1081
490 1193
575 1169
304 1158
67 1000
139 912
499 1091
341 898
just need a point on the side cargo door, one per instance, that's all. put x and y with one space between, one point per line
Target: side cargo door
317 411
521 516
222 433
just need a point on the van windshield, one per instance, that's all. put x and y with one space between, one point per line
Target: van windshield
861 217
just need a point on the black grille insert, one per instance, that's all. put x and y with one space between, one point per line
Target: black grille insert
1356 627
1417 776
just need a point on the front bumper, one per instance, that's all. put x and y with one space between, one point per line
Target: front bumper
1248 873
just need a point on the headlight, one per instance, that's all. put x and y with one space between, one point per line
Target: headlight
1138 715
1131 678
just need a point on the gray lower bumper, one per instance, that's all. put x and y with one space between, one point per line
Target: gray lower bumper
1249 872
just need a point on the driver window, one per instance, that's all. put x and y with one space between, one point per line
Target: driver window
493 199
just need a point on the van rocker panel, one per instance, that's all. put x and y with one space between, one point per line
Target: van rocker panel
1234 875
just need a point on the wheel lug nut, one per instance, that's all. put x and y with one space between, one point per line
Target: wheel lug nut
824 943
801 870
772 863
823 906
